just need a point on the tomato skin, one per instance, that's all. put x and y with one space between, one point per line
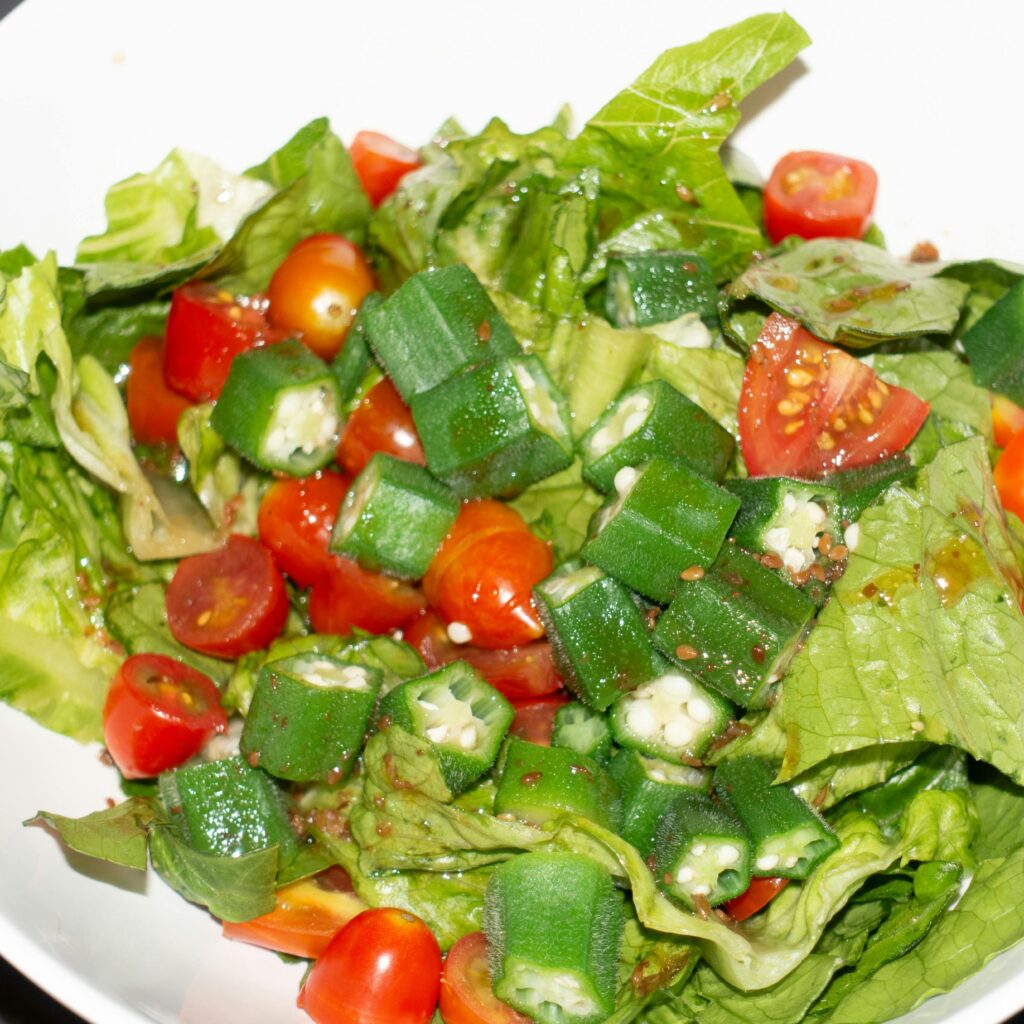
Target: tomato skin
350 596
807 408
466 996
535 718
756 897
1009 475
229 601
819 194
296 518
381 422
380 163
153 408
159 713
383 967
1007 419
317 289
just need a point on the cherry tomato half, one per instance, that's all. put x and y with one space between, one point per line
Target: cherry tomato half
535 719
380 163
1009 475
153 408
158 714
1007 419
350 596
383 967
229 601
296 519
819 194
757 896
381 422
466 996
317 289
807 408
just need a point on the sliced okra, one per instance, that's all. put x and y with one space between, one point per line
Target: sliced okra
857 489
280 409
355 360
787 838
394 517
658 287
459 713
308 717
664 519
554 925
584 730
651 420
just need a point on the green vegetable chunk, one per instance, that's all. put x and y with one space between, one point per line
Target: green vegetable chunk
857 489
584 730
554 924
308 717
993 345
654 420
280 409
659 287
788 839
394 517
351 364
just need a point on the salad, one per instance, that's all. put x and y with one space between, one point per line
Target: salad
563 565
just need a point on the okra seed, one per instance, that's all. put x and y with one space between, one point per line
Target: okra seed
767 862
699 710
437 733
728 855
701 890
625 478
852 536
634 422
640 720
699 849
459 633
676 686
684 875
426 704
791 861
680 732
467 738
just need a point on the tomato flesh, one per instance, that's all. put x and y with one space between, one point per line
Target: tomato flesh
159 713
381 422
466 996
380 163
535 718
229 601
1009 475
807 408
757 896
1007 419
153 408
348 596
813 195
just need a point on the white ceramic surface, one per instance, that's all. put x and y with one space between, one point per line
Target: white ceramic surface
91 91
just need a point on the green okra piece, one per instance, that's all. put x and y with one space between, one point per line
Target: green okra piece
540 783
857 489
280 409
664 519
787 838
658 287
701 851
599 639
495 428
355 360
436 324
736 627
992 345
554 924
459 713
308 717
653 419
580 728
394 517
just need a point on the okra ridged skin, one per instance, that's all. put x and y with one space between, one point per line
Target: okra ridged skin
788 839
394 518
858 489
584 730
554 924
666 519
657 287
736 628
308 717
351 364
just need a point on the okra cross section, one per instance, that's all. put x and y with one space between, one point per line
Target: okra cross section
495 428
787 838
459 713
280 409
665 518
651 420
584 730
554 925
658 287
394 517
308 717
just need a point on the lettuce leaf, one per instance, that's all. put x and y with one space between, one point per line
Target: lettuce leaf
118 834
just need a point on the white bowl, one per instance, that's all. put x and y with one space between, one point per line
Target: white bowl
927 92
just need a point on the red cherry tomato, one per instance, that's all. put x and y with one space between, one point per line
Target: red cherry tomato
349 596
296 518
483 576
807 408
158 714
229 601
535 719
380 163
815 194
206 328
1009 475
317 289
466 996
383 967
759 894
153 408
381 422
1007 419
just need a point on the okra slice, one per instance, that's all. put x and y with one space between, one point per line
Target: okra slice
539 783
228 807
671 717
308 717
351 365
280 409
736 627
787 838
664 519
436 324
651 420
857 489
701 852
599 639
394 517
459 713
494 429
658 287
554 925
584 730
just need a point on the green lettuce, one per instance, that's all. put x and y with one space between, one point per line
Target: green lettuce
118 834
